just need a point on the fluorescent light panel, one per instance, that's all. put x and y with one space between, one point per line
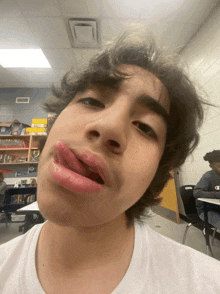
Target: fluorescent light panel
26 58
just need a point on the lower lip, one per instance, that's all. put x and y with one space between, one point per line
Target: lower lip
73 181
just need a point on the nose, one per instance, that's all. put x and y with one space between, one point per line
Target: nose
109 129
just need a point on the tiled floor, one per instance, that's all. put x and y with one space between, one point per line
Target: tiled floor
194 239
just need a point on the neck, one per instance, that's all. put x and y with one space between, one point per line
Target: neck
74 247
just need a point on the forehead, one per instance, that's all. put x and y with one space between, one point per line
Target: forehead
146 81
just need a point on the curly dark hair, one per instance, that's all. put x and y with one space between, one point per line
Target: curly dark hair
213 156
136 47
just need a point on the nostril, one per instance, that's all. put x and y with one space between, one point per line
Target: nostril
113 143
94 133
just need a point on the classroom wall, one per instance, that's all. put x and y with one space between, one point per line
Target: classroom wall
202 56
9 111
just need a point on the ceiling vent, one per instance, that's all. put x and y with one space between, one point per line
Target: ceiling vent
22 100
84 32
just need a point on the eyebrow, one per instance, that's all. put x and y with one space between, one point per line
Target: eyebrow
110 82
150 103
145 101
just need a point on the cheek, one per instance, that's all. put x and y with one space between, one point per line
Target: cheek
147 172
66 123
141 171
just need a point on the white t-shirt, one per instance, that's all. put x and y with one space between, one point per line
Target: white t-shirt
159 266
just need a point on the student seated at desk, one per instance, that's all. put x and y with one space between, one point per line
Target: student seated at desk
209 187
3 188
121 128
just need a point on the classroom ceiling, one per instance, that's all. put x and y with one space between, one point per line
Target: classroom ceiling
43 24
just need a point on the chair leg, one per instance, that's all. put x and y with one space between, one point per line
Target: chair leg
186 230
208 247
213 236
6 220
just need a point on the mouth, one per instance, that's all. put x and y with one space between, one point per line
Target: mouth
91 173
77 172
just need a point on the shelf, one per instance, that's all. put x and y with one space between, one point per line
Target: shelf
17 136
12 163
14 136
13 149
10 136
24 152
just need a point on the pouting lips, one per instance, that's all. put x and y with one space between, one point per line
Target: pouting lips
95 177
68 159
91 174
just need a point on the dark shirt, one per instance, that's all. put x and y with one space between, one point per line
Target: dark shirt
207 187
3 189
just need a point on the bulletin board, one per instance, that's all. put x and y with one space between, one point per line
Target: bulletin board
169 205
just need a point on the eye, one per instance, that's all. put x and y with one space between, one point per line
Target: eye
146 129
89 101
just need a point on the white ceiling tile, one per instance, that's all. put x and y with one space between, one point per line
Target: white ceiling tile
60 72
9 8
39 8
173 10
112 27
82 57
79 60
122 8
160 9
173 35
187 11
82 8
60 58
50 32
15 33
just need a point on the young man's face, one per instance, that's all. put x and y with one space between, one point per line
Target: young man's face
119 131
216 167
